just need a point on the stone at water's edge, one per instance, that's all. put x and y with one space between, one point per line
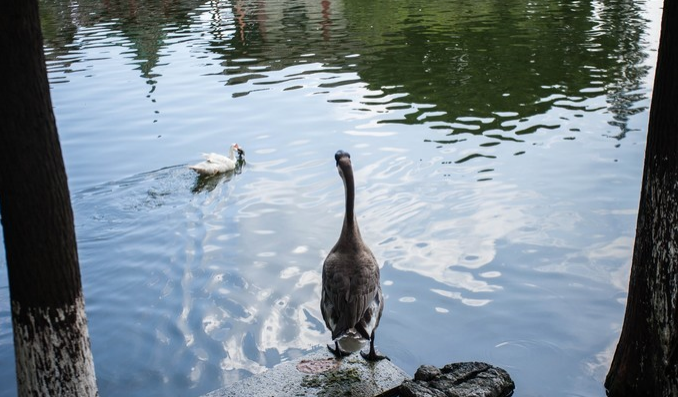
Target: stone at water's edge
468 379
319 374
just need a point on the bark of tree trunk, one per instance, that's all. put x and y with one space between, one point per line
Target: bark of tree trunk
51 341
646 360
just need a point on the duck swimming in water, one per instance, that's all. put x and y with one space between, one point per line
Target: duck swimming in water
217 163
351 302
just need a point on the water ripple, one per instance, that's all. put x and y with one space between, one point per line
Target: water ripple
479 133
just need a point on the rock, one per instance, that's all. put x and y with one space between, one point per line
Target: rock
467 379
412 388
319 374
426 373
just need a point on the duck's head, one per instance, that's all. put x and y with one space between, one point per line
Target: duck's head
239 151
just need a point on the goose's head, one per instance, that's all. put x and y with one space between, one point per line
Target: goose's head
343 163
341 155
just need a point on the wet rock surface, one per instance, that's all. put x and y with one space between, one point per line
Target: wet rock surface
319 374
467 379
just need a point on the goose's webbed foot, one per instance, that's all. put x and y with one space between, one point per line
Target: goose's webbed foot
372 355
338 353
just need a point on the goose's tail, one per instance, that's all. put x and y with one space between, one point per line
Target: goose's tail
351 341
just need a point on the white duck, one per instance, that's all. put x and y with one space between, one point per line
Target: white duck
217 163
351 302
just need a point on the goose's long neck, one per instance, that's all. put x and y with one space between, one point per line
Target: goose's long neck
349 188
231 153
350 228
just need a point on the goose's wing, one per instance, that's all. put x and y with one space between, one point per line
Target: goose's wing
370 320
348 292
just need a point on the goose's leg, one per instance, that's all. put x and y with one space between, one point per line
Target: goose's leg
372 355
338 353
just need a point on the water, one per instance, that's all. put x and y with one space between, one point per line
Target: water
498 153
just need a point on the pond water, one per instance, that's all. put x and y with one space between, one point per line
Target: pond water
498 152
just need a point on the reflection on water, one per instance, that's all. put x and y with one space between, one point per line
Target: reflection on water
497 150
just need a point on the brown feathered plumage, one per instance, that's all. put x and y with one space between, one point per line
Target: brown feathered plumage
351 301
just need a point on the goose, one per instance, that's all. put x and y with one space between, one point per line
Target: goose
351 302
217 163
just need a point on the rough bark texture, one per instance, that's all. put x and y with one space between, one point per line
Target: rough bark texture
52 351
646 359
53 355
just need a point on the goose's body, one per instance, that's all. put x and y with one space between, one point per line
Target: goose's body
216 163
351 302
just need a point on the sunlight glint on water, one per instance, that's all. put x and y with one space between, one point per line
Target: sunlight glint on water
498 152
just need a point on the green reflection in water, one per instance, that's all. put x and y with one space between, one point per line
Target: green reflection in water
470 81
455 66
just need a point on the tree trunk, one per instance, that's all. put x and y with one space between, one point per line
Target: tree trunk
51 341
646 360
